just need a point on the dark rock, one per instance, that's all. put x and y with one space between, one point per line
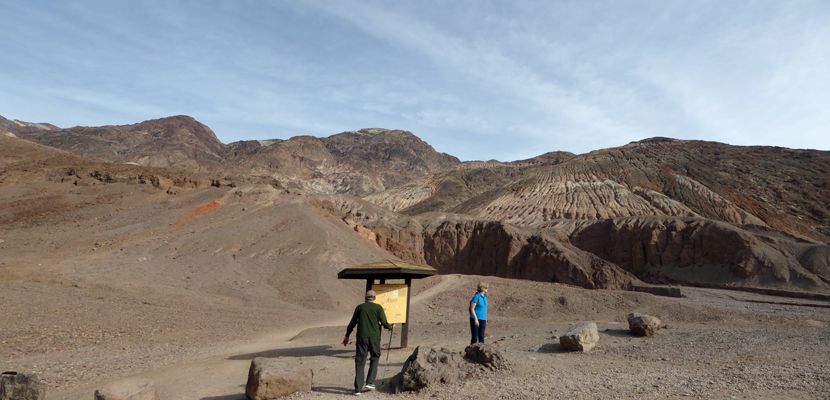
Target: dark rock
485 354
21 386
427 366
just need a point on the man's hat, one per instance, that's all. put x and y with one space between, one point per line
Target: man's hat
370 295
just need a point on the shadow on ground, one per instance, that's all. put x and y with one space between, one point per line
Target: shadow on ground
551 348
309 351
238 396
623 333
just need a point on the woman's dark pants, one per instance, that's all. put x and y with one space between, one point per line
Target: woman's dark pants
477 331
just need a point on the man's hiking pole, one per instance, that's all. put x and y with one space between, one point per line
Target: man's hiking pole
389 347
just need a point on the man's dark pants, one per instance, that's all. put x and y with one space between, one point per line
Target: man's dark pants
366 346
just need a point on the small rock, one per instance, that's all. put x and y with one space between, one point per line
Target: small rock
128 389
580 337
643 325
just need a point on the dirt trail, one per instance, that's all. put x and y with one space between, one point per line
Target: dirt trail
447 282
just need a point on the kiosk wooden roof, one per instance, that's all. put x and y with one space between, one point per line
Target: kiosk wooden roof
387 269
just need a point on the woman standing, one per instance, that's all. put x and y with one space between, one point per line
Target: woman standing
478 313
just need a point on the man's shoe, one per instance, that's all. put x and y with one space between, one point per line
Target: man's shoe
370 387
356 393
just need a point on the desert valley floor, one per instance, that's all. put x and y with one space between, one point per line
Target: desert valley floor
715 344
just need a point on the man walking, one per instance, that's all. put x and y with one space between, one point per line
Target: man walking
368 317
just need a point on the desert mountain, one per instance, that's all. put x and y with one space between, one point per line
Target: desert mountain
655 211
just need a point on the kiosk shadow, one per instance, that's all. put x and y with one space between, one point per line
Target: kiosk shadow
309 351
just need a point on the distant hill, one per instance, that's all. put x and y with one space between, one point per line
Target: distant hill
177 141
357 163
22 128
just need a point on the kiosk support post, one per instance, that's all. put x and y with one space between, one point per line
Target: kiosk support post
405 327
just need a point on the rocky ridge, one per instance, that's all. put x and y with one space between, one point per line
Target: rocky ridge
357 163
178 141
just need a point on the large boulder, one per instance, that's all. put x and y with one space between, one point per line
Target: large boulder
643 325
21 386
484 354
269 379
427 366
128 389
580 337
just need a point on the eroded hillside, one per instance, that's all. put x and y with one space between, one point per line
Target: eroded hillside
782 188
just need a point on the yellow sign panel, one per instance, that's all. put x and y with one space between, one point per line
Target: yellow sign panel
393 300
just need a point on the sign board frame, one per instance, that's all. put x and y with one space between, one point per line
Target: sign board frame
394 300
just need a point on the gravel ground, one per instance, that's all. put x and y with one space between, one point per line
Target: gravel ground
725 345
714 344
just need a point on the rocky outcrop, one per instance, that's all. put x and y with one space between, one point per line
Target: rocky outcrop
486 355
580 337
428 366
643 325
701 251
459 244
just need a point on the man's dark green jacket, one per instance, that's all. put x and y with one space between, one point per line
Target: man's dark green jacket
368 317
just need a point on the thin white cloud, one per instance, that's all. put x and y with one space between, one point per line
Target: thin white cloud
478 80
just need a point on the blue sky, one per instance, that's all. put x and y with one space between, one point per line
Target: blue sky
480 79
